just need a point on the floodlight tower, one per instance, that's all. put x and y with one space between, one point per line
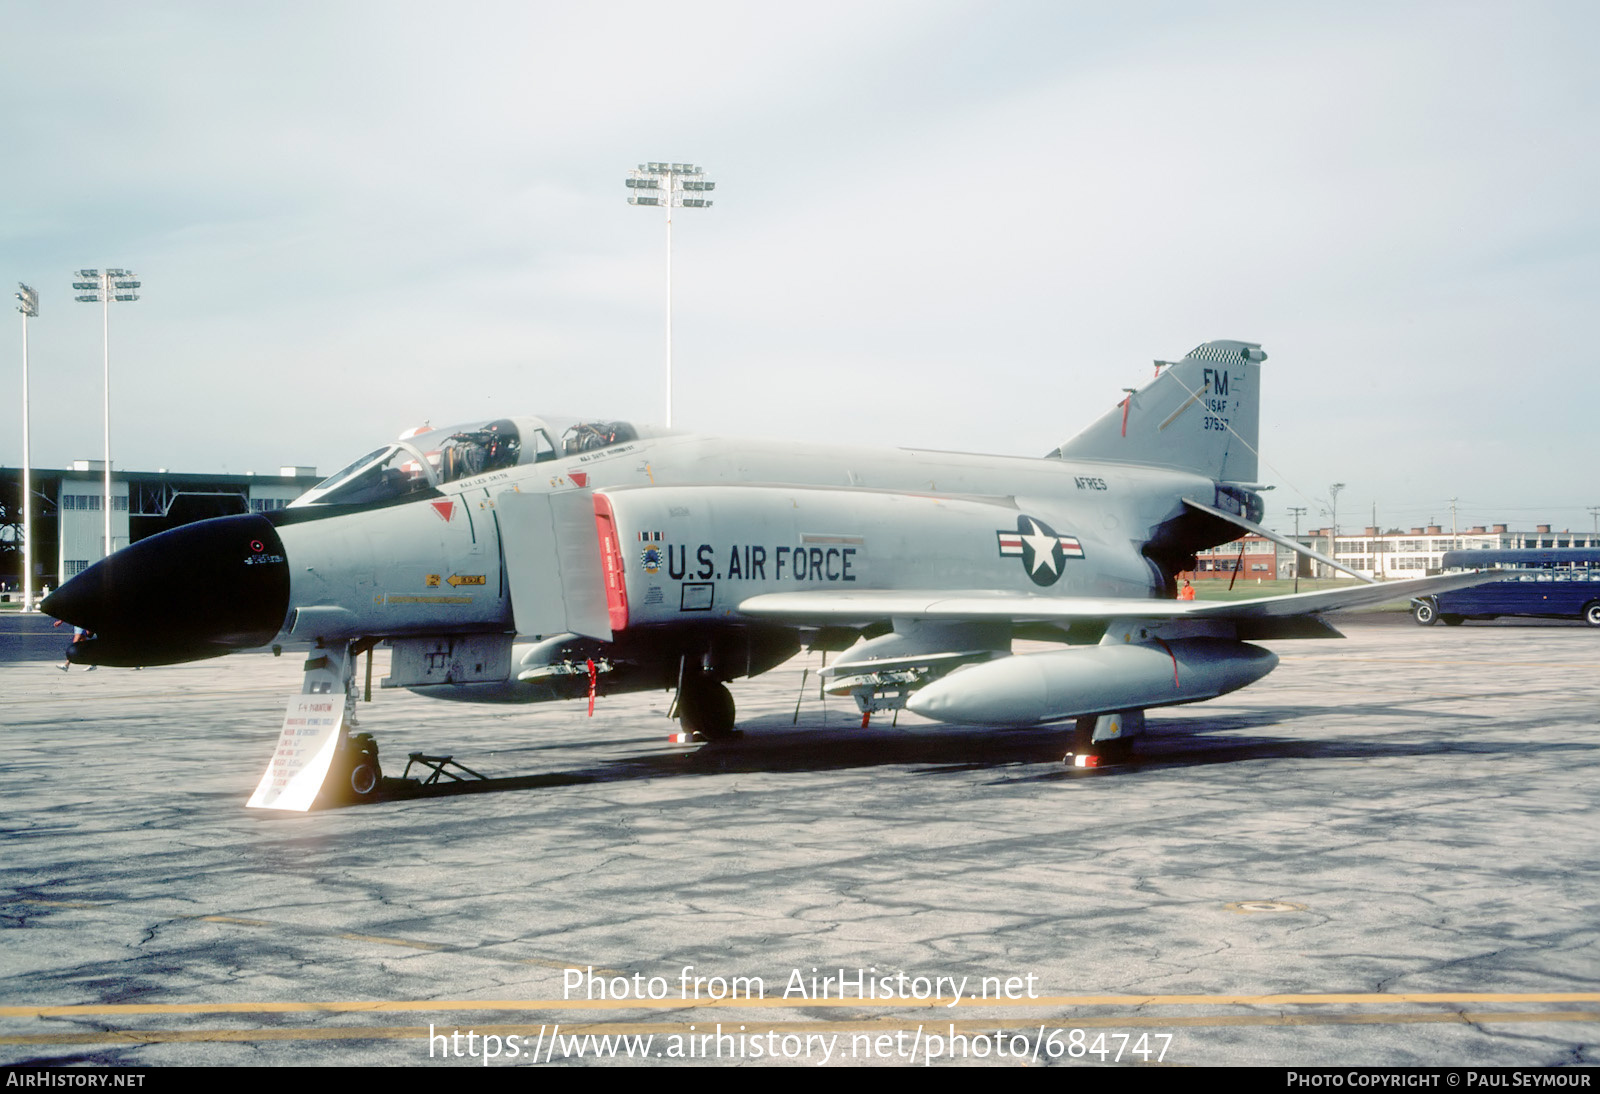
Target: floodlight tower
669 186
100 288
28 305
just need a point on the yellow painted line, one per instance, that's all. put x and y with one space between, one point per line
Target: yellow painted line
378 1006
864 1027
563 965
381 940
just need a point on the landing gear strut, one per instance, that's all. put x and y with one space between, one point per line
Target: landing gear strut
1101 740
705 707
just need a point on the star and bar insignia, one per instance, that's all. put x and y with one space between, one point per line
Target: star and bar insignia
1043 553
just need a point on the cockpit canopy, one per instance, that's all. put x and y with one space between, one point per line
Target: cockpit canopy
425 459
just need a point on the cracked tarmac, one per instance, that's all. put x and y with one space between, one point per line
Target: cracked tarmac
1424 801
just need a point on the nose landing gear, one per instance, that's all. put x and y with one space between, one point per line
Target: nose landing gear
362 773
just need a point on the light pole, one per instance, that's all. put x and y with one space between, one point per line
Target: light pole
1333 514
28 305
1297 510
102 288
667 185
1377 545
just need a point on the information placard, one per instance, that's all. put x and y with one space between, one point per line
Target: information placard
310 737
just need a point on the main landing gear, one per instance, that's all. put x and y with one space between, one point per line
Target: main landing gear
705 709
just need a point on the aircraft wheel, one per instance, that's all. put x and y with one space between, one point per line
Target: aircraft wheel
365 774
1453 620
1118 751
706 708
1591 614
1426 613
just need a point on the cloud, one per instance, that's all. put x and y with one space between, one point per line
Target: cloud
935 224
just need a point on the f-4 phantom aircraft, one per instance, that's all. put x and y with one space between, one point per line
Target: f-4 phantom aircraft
515 560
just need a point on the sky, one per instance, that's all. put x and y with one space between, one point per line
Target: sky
939 225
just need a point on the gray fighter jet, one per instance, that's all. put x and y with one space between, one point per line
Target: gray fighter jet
517 560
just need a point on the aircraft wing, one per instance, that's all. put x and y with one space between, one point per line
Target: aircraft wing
828 607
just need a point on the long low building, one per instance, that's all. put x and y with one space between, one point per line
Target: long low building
1395 555
1391 555
68 526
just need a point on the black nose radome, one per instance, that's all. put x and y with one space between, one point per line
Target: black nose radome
197 591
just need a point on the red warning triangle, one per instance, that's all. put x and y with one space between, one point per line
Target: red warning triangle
579 478
446 509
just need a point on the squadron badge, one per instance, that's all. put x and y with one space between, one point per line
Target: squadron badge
651 552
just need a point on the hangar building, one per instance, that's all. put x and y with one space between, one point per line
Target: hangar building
69 519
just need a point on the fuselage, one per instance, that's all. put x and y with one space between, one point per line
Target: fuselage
438 563
434 560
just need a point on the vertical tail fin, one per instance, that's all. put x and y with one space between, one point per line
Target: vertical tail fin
1201 414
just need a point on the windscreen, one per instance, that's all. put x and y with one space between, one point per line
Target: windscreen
419 462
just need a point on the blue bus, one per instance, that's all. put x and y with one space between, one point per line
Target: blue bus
1559 584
